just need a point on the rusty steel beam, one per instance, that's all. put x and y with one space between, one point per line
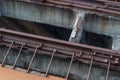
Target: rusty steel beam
54 47
109 7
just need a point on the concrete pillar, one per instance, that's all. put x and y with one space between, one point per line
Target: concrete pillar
77 28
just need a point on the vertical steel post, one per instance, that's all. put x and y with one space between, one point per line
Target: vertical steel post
31 61
91 64
70 65
54 51
7 52
18 55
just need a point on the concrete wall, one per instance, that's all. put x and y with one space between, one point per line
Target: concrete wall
38 13
106 26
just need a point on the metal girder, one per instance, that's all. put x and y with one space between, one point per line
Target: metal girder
106 58
109 7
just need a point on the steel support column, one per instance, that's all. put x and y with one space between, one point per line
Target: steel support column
77 28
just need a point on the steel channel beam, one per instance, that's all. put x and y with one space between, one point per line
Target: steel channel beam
63 47
81 5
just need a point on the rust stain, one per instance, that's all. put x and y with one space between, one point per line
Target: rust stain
8 74
43 12
71 17
52 14
33 12
104 25
93 19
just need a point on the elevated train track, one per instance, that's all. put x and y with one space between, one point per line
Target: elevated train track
23 50
109 59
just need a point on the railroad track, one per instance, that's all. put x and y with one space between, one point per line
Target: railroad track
109 59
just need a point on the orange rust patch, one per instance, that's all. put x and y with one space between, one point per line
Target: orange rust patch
9 74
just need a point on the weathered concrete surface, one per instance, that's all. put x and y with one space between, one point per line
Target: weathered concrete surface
106 26
38 13
58 67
